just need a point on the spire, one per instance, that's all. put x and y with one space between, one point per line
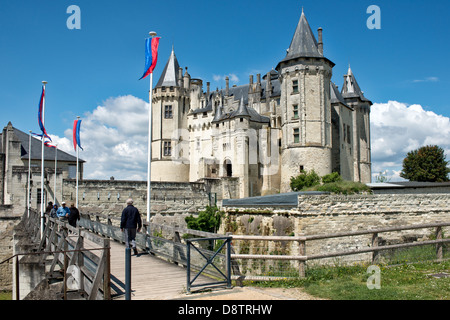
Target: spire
351 87
169 76
242 111
303 44
218 114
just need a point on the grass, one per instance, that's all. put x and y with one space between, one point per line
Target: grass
341 187
402 282
5 295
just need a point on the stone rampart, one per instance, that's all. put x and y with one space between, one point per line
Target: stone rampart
327 214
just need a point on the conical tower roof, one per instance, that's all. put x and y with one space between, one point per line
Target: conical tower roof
169 76
303 44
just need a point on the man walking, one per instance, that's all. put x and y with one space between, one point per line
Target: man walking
129 222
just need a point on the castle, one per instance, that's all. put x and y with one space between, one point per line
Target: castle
261 134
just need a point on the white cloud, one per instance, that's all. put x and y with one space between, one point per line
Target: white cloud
397 128
114 138
427 79
233 78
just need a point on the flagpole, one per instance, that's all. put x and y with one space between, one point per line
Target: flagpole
42 162
78 153
149 168
29 175
56 165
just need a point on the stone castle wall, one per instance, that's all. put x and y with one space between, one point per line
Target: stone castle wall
325 214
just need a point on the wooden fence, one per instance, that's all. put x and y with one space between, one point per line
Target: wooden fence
167 241
302 240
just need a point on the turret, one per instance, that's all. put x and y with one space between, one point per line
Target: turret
305 76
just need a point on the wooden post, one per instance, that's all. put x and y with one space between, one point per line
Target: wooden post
301 263
374 245
107 272
439 247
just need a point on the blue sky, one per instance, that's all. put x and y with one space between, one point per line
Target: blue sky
405 61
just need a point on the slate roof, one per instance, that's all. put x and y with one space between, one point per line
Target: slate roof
169 76
336 96
303 44
36 148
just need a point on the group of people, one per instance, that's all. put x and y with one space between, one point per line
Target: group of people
130 222
71 214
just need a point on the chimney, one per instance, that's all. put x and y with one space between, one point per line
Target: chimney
208 84
227 89
320 41
180 77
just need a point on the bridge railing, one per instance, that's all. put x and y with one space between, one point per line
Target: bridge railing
75 257
165 241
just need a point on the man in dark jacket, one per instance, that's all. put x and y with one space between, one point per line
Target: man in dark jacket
130 221
74 215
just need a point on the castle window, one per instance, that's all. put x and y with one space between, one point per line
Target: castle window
348 135
295 108
296 135
167 148
168 112
295 86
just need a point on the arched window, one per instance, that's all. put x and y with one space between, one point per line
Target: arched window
228 168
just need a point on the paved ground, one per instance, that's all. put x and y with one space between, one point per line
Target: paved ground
248 293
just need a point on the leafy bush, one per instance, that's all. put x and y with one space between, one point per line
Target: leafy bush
344 187
305 180
332 177
331 183
207 220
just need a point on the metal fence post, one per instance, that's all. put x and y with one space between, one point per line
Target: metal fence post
128 274
188 265
229 263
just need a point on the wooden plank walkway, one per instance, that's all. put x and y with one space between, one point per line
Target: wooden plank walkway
152 278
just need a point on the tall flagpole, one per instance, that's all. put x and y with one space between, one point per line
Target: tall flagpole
29 175
56 165
149 166
42 163
78 153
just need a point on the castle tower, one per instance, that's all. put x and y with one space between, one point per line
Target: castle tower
305 76
170 139
354 98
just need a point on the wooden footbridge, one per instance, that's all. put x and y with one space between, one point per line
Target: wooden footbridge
90 261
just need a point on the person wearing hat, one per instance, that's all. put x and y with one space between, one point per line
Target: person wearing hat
129 222
63 211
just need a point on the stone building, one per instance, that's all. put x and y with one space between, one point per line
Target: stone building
14 155
261 134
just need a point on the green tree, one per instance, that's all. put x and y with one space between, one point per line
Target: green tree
426 164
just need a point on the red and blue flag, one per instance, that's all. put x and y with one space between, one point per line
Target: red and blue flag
44 134
151 55
76 134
